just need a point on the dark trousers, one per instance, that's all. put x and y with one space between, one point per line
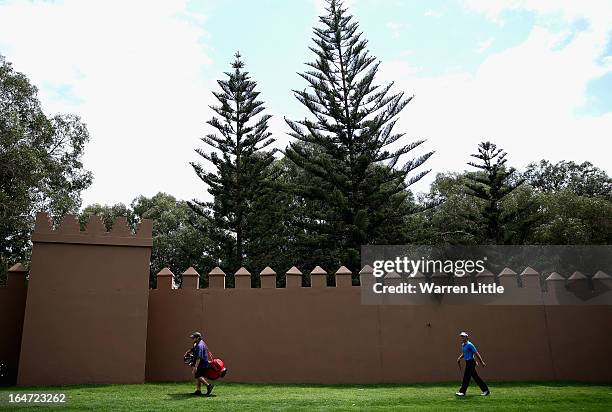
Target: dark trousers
470 372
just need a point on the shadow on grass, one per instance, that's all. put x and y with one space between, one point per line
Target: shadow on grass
185 396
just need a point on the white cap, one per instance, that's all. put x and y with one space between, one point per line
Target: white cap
463 334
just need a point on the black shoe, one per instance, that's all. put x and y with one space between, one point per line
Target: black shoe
223 373
209 388
197 393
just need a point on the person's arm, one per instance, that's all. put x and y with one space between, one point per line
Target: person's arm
195 366
480 359
459 358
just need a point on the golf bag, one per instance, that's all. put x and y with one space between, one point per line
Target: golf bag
216 369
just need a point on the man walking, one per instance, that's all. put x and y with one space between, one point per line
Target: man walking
200 352
469 352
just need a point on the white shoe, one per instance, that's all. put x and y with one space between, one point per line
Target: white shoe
485 393
460 394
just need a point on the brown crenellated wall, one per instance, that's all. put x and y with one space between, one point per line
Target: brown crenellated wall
326 335
90 318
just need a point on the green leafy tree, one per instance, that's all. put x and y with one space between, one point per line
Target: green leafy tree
451 221
40 164
108 214
572 219
241 167
354 170
583 179
177 244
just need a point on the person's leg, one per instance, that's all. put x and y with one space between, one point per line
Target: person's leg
199 378
479 381
201 374
467 375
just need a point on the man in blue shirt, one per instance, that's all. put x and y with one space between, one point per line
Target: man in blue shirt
469 352
200 352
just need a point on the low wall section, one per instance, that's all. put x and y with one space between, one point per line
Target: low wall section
325 335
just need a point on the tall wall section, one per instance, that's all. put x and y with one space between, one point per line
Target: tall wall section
86 311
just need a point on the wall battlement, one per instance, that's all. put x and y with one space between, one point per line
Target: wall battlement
95 233
529 287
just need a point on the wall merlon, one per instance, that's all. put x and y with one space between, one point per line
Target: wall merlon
366 279
216 278
555 277
508 278
602 288
507 272
530 279
529 271
95 224
577 276
318 277
16 276
165 279
69 225
293 278
191 279
43 223
144 229
268 278
121 227
344 277
392 279
242 279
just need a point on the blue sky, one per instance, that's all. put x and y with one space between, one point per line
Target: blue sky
533 76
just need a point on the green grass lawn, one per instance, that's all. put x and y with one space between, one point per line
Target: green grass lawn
518 396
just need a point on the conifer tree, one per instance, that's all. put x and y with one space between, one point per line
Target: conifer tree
241 167
492 185
358 174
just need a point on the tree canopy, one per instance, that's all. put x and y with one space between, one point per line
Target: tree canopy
40 163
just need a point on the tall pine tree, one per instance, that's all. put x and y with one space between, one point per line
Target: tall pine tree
492 185
352 132
242 168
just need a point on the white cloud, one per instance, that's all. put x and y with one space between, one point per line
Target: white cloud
525 98
136 69
395 28
432 13
485 45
